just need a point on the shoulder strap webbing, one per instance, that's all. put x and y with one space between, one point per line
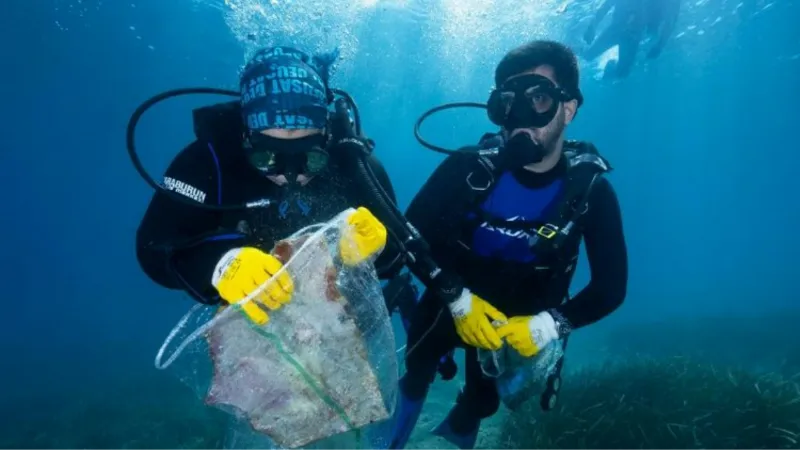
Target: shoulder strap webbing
586 166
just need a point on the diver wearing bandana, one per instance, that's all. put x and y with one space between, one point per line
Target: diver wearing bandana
510 227
279 141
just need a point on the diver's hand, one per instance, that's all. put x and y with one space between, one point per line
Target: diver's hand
528 335
472 315
364 236
242 271
589 35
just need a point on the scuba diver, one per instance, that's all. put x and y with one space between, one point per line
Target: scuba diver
278 142
508 217
630 21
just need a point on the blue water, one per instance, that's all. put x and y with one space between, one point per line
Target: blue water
701 140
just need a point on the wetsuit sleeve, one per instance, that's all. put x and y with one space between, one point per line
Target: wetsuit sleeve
608 261
390 262
435 212
168 226
428 209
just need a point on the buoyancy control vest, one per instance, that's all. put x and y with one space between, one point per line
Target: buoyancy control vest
553 237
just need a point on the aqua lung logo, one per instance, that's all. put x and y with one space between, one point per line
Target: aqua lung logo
516 234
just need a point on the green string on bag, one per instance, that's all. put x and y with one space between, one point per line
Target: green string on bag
304 373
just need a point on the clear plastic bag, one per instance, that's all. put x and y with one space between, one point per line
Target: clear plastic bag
324 365
517 378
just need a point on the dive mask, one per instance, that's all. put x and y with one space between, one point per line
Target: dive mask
276 156
526 101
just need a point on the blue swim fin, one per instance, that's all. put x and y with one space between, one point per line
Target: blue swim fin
463 439
408 411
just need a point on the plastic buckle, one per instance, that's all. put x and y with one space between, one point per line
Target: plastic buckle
547 231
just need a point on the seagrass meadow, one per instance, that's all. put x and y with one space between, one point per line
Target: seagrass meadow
716 383
678 402
697 391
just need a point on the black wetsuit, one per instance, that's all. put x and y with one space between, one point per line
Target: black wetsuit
498 265
178 245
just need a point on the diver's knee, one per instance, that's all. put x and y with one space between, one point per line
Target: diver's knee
483 404
488 407
448 368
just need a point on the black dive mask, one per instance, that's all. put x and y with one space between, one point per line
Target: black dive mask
526 101
288 157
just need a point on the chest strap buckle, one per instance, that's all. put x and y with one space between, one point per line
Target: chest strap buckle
547 231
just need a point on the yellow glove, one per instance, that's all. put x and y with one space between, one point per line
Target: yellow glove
472 315
528 335
363 237
241 271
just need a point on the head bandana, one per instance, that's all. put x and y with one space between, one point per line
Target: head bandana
282 88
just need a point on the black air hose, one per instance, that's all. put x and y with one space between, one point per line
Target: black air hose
447 287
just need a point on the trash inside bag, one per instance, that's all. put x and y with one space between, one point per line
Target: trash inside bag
323 365
517 378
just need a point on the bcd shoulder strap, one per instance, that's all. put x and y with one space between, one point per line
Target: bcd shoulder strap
586 166
484 169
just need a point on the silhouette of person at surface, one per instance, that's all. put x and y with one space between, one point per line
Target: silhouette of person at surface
631 21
